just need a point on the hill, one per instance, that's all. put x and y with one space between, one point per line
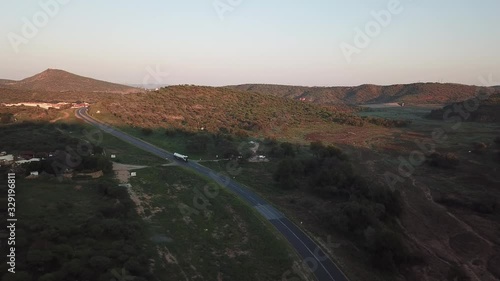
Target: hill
54 80
222 110
418 93
4 81
488 110
12 95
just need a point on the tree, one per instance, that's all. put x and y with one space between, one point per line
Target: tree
18 276
6 118
100 263
386 247
288 149
39 258
316 147
284 174
147 131
448 160
74 266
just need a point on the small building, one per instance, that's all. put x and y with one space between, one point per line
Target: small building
20 162
33 175
9 157
113 156
133 174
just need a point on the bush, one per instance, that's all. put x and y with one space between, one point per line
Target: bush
448 160
170 132
457 274
386 248
6 118
284 174
198 143
485 205
18 276
100 263
288 149
48 277
479 147
146 131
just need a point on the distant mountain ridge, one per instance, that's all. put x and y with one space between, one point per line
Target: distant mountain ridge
3 81
417 93
55 80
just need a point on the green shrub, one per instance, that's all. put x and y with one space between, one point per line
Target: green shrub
479 147
448 160
146 131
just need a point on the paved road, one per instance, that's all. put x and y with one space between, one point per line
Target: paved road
322 267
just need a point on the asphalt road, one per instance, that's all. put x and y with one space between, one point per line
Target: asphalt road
312 254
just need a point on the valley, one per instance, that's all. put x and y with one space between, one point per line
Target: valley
384 172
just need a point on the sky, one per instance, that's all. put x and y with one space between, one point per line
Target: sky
227 42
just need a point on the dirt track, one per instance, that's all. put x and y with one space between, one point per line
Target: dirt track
122 171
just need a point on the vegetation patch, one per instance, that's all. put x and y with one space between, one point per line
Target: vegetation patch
224 239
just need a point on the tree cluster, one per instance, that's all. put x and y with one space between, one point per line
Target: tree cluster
95 243
446 160
347 202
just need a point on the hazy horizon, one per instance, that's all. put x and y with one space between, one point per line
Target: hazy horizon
254 42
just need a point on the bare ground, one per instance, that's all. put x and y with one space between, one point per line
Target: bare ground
122 171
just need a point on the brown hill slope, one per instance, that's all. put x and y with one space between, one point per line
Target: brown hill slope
418 93
54 80
222 110
4 81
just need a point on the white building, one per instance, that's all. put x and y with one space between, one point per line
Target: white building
20 162
7 158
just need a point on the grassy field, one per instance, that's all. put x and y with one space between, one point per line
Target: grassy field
226 240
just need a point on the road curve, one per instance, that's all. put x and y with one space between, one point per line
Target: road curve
312 254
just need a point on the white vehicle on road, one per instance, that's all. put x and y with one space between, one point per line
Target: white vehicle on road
180 157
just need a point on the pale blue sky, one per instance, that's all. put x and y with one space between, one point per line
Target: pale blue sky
260 41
